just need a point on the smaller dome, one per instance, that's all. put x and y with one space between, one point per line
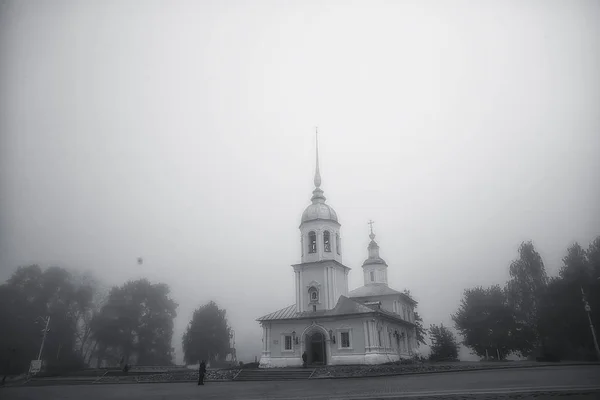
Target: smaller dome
372 261
319 211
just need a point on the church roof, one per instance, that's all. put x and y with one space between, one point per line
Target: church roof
377 289
344 306
284 313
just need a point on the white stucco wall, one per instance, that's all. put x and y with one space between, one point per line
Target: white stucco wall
365 347
329 278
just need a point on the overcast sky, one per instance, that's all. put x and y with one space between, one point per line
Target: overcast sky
183 132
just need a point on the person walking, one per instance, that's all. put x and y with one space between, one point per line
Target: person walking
201 373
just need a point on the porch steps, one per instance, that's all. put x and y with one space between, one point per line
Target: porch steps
274 374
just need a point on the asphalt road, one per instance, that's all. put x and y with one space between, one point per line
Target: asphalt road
490 384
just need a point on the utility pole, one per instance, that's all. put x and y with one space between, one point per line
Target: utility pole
588 310
47 321
233 352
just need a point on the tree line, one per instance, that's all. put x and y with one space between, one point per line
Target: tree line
534 315
130 324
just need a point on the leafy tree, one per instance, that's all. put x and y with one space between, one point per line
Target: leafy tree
593 256
485 320
593 293
444 346
528 281
136 324
29 294
576 269
420 331
207 335
564 324
91 298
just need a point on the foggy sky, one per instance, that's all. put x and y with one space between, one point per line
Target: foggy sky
183 132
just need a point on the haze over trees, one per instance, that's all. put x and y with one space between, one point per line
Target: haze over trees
444 346
534 315
485 321
136 324
133 323
207 335
32 294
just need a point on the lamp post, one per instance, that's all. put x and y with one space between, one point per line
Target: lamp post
45 330
233 352
588 310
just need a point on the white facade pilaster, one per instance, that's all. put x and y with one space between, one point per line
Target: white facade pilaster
367 338
327 288
298 289
302 294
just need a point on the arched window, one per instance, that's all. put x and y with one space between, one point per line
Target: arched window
327 241
338 244
372 276
313 294
312 242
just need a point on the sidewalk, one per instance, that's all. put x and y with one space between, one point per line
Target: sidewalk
331 372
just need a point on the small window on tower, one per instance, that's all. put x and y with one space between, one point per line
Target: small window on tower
314 308
326 241
338 244
312 242
372 276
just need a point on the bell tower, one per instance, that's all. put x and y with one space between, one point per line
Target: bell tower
320 277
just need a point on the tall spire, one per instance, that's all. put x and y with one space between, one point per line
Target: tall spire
317 173
317 196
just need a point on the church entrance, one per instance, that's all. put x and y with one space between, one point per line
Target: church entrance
315 349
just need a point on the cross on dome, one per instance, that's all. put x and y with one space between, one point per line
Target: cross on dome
372 235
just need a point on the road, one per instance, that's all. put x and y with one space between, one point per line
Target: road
489 384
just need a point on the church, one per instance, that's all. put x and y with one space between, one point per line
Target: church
371 324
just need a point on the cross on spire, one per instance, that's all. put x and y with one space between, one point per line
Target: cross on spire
372 235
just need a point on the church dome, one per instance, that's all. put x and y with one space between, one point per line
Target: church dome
319 211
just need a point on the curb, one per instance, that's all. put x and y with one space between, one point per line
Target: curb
487 368
461 370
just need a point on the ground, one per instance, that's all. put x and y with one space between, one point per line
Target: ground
478 385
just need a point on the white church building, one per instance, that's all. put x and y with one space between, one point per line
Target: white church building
371 324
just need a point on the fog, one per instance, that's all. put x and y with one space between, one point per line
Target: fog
183 132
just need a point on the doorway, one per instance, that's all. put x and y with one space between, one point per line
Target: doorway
316 354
